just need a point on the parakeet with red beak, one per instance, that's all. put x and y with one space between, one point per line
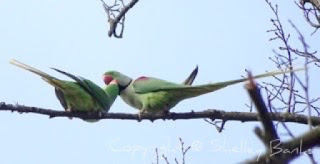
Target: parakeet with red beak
80 94
153 95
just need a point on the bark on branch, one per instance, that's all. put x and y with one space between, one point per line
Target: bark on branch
269 134
287 151
209 114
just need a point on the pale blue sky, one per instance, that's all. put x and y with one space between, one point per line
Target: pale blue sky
164 39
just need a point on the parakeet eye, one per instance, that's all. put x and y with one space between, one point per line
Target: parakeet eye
107 79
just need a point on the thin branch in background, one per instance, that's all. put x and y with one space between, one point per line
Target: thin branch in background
165 159
183 151
176 161
281 35
303 101
116 15
286 87
313 11
250 106
306 85
310 55
157 156
215 124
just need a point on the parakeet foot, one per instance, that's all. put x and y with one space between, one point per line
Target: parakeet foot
69 110
140 114
100 113
166 111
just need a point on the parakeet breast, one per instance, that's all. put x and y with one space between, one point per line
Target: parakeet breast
156 101
151 102
131 98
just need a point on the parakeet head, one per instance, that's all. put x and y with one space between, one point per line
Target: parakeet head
122 80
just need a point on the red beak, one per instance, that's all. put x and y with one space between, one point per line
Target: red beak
107 79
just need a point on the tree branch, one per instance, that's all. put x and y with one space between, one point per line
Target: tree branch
119 18
270 133
286 151
276 150
311 11
315 3
209 114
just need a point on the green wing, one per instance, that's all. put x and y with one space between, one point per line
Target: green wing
94 90
61 98
98 94
149 84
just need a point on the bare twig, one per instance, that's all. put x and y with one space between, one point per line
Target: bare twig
157 156
314 10
215 124
280 34
116 15
287 87
165 159
183 151
306 85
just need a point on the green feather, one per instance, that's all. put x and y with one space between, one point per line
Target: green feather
154 85
112 92
154 95
82 95
94 90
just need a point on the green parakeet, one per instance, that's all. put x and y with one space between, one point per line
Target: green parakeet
81 95
153 95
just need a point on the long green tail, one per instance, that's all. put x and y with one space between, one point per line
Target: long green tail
193 91
48 78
